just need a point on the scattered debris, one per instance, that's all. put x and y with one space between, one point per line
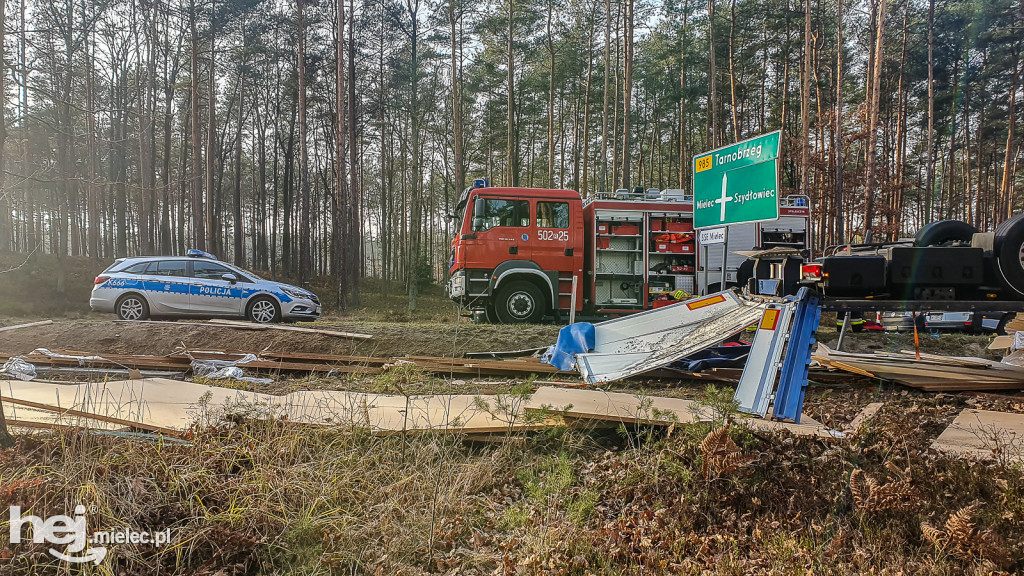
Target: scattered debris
639 343
253 326
108 373
506 353
292 362
29 325
931 373
984 434
18 368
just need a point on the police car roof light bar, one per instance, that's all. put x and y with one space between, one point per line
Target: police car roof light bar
193 253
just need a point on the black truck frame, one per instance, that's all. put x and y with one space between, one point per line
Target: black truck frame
949 265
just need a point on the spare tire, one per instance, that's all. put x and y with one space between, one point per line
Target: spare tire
1008 248
944 232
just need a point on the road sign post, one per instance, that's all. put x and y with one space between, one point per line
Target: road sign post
725 258
738 183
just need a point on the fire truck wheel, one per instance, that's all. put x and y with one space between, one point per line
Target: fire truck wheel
1008 248
943 232
491 314
520 303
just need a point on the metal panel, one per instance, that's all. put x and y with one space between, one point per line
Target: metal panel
642 342
624 334
619 215
757 383
786 224
741 237
789 401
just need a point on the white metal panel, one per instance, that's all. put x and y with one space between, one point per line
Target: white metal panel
642 342
757 384
623 334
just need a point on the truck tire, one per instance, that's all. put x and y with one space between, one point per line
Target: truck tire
520 303
944 232
491 314
1008 248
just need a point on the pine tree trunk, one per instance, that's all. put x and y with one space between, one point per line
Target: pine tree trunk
805 100
211 137
239 231
512 160
585 144
684 161
196 177
305 256
1006 188
712 77
604 106
732 72
551 98
354 224
627 88
840 230
339 235
870 186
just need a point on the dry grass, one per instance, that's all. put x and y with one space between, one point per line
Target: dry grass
268 497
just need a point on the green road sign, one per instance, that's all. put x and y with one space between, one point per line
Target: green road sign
738 183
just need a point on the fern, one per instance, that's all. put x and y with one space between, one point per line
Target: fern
721 455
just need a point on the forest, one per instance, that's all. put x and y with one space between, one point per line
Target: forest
308 139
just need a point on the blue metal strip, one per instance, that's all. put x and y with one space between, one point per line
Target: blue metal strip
789 398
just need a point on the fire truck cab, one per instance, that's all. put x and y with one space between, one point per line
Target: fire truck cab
516 251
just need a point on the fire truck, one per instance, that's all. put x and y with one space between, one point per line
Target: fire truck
522 254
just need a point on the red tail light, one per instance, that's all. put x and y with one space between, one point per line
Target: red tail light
812 271
101 279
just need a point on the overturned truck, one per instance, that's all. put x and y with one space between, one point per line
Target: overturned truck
947 265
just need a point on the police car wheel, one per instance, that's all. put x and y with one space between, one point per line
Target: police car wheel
520 303
263 311
132 307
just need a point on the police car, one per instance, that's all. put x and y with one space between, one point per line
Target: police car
196 285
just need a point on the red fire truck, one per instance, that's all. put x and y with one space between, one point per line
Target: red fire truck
519 253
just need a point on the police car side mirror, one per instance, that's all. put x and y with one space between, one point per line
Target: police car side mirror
230 278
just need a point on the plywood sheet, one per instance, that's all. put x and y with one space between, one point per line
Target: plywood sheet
177 405
984 434
635 408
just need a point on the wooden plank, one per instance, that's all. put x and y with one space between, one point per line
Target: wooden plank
984 434
29 325
91 416
1001 342
947 359
40 425
249 325
863 416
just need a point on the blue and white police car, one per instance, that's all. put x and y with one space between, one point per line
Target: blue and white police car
196 285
